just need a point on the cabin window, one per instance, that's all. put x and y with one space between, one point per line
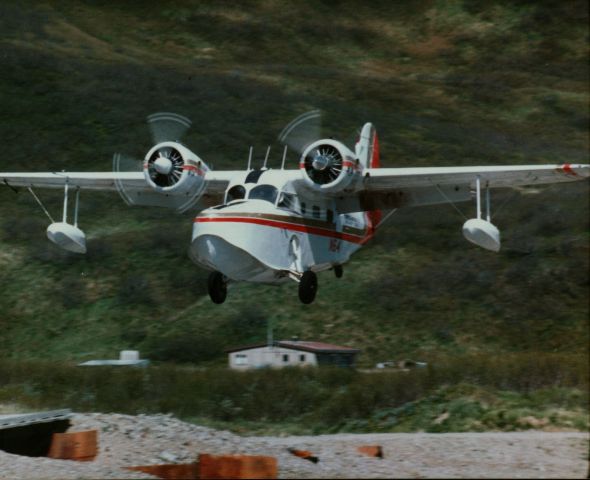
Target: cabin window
285 358
264 192
316 211
237 192
302 208
330 216
288 201
241 359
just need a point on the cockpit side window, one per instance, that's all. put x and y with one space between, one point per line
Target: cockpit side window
237 192
264 192
288 201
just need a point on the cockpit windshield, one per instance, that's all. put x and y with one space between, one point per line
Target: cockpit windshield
263 192
237 192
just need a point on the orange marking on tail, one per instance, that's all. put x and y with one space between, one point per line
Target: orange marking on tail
374 216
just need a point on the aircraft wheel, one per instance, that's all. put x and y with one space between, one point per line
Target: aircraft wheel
338 271
217 287
308 287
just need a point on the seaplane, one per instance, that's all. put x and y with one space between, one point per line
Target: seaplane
272 226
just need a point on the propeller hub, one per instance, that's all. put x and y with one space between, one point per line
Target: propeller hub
163 165
321 161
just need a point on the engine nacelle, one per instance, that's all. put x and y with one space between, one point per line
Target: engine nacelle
329 166
171 168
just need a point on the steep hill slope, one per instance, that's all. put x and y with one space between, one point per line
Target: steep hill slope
446 83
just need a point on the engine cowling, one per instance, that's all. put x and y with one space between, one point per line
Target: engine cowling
171 168
329 166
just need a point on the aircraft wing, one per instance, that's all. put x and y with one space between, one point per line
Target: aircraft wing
384 179
83 180
216 181
388 188
131 185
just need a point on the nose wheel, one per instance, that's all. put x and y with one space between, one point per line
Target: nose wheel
308 287
217 287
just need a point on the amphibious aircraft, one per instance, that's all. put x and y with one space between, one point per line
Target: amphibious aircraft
277 225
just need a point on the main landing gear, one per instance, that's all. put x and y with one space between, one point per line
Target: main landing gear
217 286
308 287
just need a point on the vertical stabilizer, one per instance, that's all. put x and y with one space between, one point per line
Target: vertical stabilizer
367 151
367 148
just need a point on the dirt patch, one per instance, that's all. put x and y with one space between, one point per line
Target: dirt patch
126 440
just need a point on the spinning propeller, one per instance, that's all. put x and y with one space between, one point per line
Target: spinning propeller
322 159
165 167
302 131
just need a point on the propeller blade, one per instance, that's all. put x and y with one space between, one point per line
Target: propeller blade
302 131
167 126
164 167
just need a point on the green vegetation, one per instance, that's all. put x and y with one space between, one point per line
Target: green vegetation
445 82
508 393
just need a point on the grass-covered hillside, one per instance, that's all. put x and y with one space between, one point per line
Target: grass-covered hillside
445 82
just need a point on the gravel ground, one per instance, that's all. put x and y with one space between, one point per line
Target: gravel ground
126 440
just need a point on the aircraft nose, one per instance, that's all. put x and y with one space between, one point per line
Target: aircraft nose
219 254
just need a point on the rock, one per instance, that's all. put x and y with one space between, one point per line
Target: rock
168 457
441 418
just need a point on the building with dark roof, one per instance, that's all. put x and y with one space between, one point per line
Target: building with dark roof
288 353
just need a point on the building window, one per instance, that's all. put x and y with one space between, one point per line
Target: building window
302 357
285 357
241 359
316 211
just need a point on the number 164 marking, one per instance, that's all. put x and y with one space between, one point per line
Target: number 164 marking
334 245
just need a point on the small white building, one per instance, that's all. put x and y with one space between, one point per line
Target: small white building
289 353
127 358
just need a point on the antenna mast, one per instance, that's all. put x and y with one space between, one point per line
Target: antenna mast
249 158
269 335
284 158
266 157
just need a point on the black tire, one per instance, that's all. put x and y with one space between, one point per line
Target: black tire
217 287
338 271
308 287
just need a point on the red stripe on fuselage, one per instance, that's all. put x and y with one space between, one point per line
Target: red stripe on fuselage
290 226
345 164
194 169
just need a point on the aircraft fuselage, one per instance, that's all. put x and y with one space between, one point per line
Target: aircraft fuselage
272 234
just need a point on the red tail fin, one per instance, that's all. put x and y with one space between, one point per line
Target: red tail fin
367 150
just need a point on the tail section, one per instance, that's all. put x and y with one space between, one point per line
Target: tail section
367 148
367 151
